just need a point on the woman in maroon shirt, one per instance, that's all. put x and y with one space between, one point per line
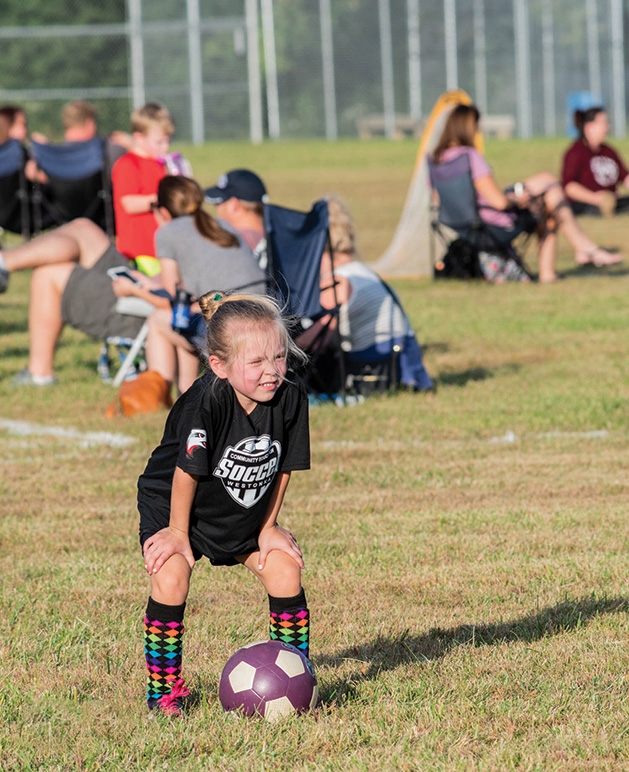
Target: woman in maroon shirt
592 170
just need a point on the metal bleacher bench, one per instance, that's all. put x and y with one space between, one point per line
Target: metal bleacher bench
374 126
498 126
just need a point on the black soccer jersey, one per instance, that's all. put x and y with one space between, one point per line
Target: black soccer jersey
237 458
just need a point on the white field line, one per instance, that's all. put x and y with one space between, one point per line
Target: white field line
81 439
509 437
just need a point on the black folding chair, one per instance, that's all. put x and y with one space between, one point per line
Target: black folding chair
457 212
15 214
79 184
296 242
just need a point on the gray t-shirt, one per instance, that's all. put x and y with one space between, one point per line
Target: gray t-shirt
203 265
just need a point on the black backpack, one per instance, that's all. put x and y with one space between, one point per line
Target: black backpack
459 262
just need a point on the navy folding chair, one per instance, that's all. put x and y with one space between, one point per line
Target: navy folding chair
14 191
295 243
79 184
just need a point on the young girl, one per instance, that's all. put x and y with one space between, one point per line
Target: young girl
215 484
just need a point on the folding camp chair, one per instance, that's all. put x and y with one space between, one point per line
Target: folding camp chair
14 192
295 243
457 217
130 351
79 184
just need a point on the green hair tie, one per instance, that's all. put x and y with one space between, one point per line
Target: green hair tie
217 296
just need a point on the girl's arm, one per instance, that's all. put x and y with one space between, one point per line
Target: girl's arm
175 538
273 536
578 192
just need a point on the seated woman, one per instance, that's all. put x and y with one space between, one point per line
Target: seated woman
370 320
196 253
592 170
540 206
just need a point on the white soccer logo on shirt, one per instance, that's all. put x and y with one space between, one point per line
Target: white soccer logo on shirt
248 468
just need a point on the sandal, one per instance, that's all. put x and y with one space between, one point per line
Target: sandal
598 257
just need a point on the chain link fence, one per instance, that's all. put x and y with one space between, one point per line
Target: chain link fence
318 68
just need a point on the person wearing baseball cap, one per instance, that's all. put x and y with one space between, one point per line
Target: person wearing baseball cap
239 196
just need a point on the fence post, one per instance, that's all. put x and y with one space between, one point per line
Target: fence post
386 64
253 72
196 72
548 59
414 60
618 68
452 64
270 68
327 56
136 49
522 66
480 56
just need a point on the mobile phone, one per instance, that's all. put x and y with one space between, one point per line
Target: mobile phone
120 272
518 189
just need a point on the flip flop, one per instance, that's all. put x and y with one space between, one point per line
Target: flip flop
598 257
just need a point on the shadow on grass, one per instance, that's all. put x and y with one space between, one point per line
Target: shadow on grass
387 653
8 327
589 271
463 377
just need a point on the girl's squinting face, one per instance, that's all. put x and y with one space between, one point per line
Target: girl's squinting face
259 368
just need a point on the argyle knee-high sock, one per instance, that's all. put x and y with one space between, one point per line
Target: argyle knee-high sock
163 640
290 621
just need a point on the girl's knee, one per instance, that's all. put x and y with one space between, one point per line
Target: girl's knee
170 585
282 575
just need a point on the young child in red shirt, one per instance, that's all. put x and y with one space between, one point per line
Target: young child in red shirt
135 177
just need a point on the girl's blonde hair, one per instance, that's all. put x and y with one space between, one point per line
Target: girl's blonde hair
342 230
221 312
182 196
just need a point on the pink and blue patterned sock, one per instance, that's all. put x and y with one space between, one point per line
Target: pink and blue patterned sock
163 644
290 621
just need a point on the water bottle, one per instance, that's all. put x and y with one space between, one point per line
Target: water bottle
181 310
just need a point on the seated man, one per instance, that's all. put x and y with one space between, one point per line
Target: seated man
370 318
239 196
70 285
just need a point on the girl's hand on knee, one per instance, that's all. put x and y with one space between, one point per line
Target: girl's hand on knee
278 538
163 545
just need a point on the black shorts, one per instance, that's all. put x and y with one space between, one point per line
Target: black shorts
579 208
154 519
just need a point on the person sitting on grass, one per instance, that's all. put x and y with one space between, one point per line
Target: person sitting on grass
215 484
370 321
592 170
194 251
540 208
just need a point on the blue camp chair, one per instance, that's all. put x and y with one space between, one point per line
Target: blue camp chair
79 184
14 192
295 242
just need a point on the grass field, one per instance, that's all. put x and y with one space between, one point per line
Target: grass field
466 551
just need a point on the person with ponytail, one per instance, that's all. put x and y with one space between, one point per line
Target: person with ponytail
195 253
215 485
592 171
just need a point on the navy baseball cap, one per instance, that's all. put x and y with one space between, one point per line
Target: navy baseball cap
238 183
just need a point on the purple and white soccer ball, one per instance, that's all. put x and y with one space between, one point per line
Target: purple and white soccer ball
270 679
